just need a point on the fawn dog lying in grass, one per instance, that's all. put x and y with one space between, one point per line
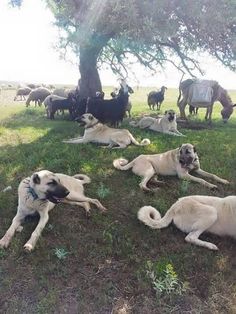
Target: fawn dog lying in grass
194 215
40 193
179 161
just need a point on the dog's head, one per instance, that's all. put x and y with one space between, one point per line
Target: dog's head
47 185
187 154
87 120
170 115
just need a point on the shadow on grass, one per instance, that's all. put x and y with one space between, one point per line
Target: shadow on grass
107 253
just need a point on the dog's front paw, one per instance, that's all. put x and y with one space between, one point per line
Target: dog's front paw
212 246
3 243
224 181
213 186
28 247
104 209
19 229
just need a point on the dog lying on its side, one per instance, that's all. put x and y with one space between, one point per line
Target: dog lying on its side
194 215
40 193
179 161
97 132
166 124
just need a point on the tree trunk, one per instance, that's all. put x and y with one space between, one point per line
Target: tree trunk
90 80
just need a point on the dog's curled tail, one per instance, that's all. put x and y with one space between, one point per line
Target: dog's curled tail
83 178
122 164
144 142
151 217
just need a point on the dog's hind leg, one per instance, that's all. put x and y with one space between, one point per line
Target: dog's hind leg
79 140
29 246
77 199
85 205
207 216
149 173
211 176
121 145
15 226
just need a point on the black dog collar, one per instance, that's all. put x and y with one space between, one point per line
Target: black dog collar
33 193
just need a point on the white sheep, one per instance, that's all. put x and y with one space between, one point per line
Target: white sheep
60 92
22 92
38 95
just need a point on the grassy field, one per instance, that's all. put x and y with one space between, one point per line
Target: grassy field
111 263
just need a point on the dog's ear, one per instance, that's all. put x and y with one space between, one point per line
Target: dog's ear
90 117
180 150
36 178
166 111
194 149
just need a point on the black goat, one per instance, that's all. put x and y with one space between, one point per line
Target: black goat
128 105
68 103
108 110
156 98
81 103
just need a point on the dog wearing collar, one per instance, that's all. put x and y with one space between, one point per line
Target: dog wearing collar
40 193
97 132
166 124
179 161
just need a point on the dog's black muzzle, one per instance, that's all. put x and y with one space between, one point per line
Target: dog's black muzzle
171 118
186 161
55 195
80 121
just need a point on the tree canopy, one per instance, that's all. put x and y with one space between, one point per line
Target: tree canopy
151 32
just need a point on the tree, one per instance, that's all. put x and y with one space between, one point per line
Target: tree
151 32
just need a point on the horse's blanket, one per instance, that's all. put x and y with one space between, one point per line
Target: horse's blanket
202 92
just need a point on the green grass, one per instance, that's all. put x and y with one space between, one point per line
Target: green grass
108 253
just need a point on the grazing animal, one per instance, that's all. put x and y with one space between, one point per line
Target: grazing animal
48 102
32 86
37 95
60 92
109 110
22 92
203 93
166 124
97 132
179 161
40 193
128 106
194 215
68 103
156 98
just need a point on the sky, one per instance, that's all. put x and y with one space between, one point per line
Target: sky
28 54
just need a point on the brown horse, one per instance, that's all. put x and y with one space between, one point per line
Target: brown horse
215 92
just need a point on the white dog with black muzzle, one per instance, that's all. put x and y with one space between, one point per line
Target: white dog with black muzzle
177 162
97 132
166 124
40 193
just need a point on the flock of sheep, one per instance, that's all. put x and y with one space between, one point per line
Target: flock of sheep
59 99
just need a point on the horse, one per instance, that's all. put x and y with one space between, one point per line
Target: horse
211 91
